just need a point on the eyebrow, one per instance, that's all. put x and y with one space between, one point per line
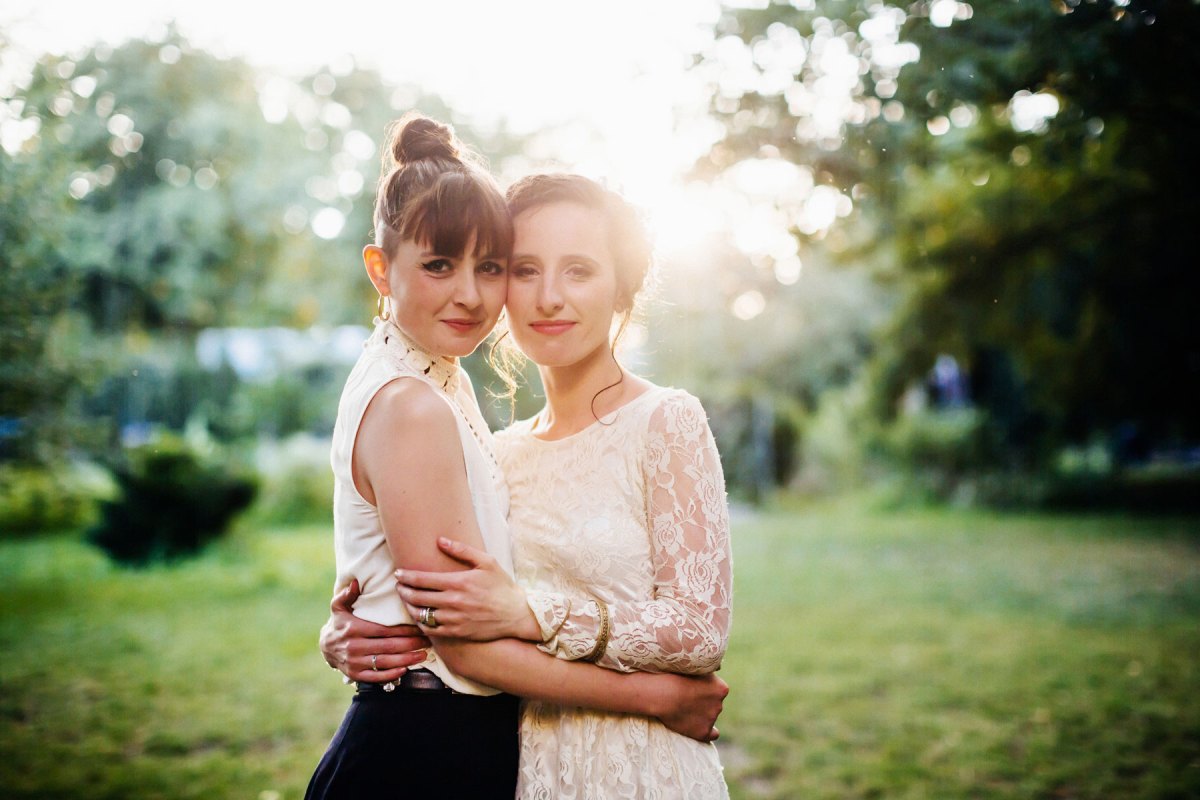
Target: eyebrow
434 254
580 257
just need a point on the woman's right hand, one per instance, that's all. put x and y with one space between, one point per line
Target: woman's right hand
691 704
348 643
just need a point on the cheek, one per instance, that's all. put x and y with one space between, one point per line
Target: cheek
493 294
603 301
520 298
401 288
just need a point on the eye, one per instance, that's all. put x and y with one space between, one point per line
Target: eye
492 269
580 271
438 266
523 270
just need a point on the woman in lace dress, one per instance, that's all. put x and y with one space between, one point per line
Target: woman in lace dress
412 457
618 515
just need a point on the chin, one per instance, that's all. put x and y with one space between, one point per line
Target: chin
531 350
550 356
460 345
461 349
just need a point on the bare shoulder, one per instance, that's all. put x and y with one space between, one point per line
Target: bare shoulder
412 408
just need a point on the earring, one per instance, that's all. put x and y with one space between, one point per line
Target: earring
383 309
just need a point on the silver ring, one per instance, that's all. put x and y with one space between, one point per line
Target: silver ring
427 617
374 663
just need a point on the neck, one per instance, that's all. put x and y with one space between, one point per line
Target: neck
571 390
413 344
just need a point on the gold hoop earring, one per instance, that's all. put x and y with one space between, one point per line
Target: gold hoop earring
383 308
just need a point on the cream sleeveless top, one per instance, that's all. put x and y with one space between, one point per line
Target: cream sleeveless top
360 546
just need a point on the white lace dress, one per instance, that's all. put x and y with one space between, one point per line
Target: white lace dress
632 511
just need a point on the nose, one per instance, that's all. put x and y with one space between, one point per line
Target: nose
466 290
549 296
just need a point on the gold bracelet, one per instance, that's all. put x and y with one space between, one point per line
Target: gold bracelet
601 637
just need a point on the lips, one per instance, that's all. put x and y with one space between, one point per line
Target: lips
552 327
462 325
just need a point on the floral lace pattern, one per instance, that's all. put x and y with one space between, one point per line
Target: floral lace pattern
630 512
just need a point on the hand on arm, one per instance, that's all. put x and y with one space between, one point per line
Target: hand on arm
480 603
348 643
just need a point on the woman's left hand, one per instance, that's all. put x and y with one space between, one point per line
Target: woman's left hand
481 603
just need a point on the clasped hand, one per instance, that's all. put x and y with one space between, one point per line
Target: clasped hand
481 603
366 651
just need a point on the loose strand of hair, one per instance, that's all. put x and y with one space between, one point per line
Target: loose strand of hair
506 361
612 349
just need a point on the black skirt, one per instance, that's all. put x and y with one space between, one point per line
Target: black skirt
421 744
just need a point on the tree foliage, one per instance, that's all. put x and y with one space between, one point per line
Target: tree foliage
35 283
152 190
1048 252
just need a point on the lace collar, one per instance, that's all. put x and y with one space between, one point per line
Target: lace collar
441 370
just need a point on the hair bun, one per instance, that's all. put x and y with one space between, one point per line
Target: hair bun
416 138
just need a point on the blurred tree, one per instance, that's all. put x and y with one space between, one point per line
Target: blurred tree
146 154
1022 172
172 226
35 283
152 190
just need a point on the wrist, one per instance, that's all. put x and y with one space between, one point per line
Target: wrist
657 693
525 625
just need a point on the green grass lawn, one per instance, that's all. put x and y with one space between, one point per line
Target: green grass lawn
919 655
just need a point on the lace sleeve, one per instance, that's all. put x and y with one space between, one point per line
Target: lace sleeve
685 627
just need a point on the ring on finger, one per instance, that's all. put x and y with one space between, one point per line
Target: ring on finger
375 663
428 618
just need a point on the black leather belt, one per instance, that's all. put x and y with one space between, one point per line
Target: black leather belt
415 680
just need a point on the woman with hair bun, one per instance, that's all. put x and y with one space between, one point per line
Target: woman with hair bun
412 461
618 516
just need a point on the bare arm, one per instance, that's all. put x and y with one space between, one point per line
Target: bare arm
421 490
689 706
686 704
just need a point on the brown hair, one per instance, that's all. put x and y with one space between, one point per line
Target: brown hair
433 190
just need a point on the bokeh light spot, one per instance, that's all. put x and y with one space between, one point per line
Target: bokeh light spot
328 223
748 305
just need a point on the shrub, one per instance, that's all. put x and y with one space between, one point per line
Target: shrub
951 442
171 503
296 481
835 443
42 498
300 494
1145 490
943 455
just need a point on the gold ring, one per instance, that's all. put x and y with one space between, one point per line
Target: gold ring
374 663
427 617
